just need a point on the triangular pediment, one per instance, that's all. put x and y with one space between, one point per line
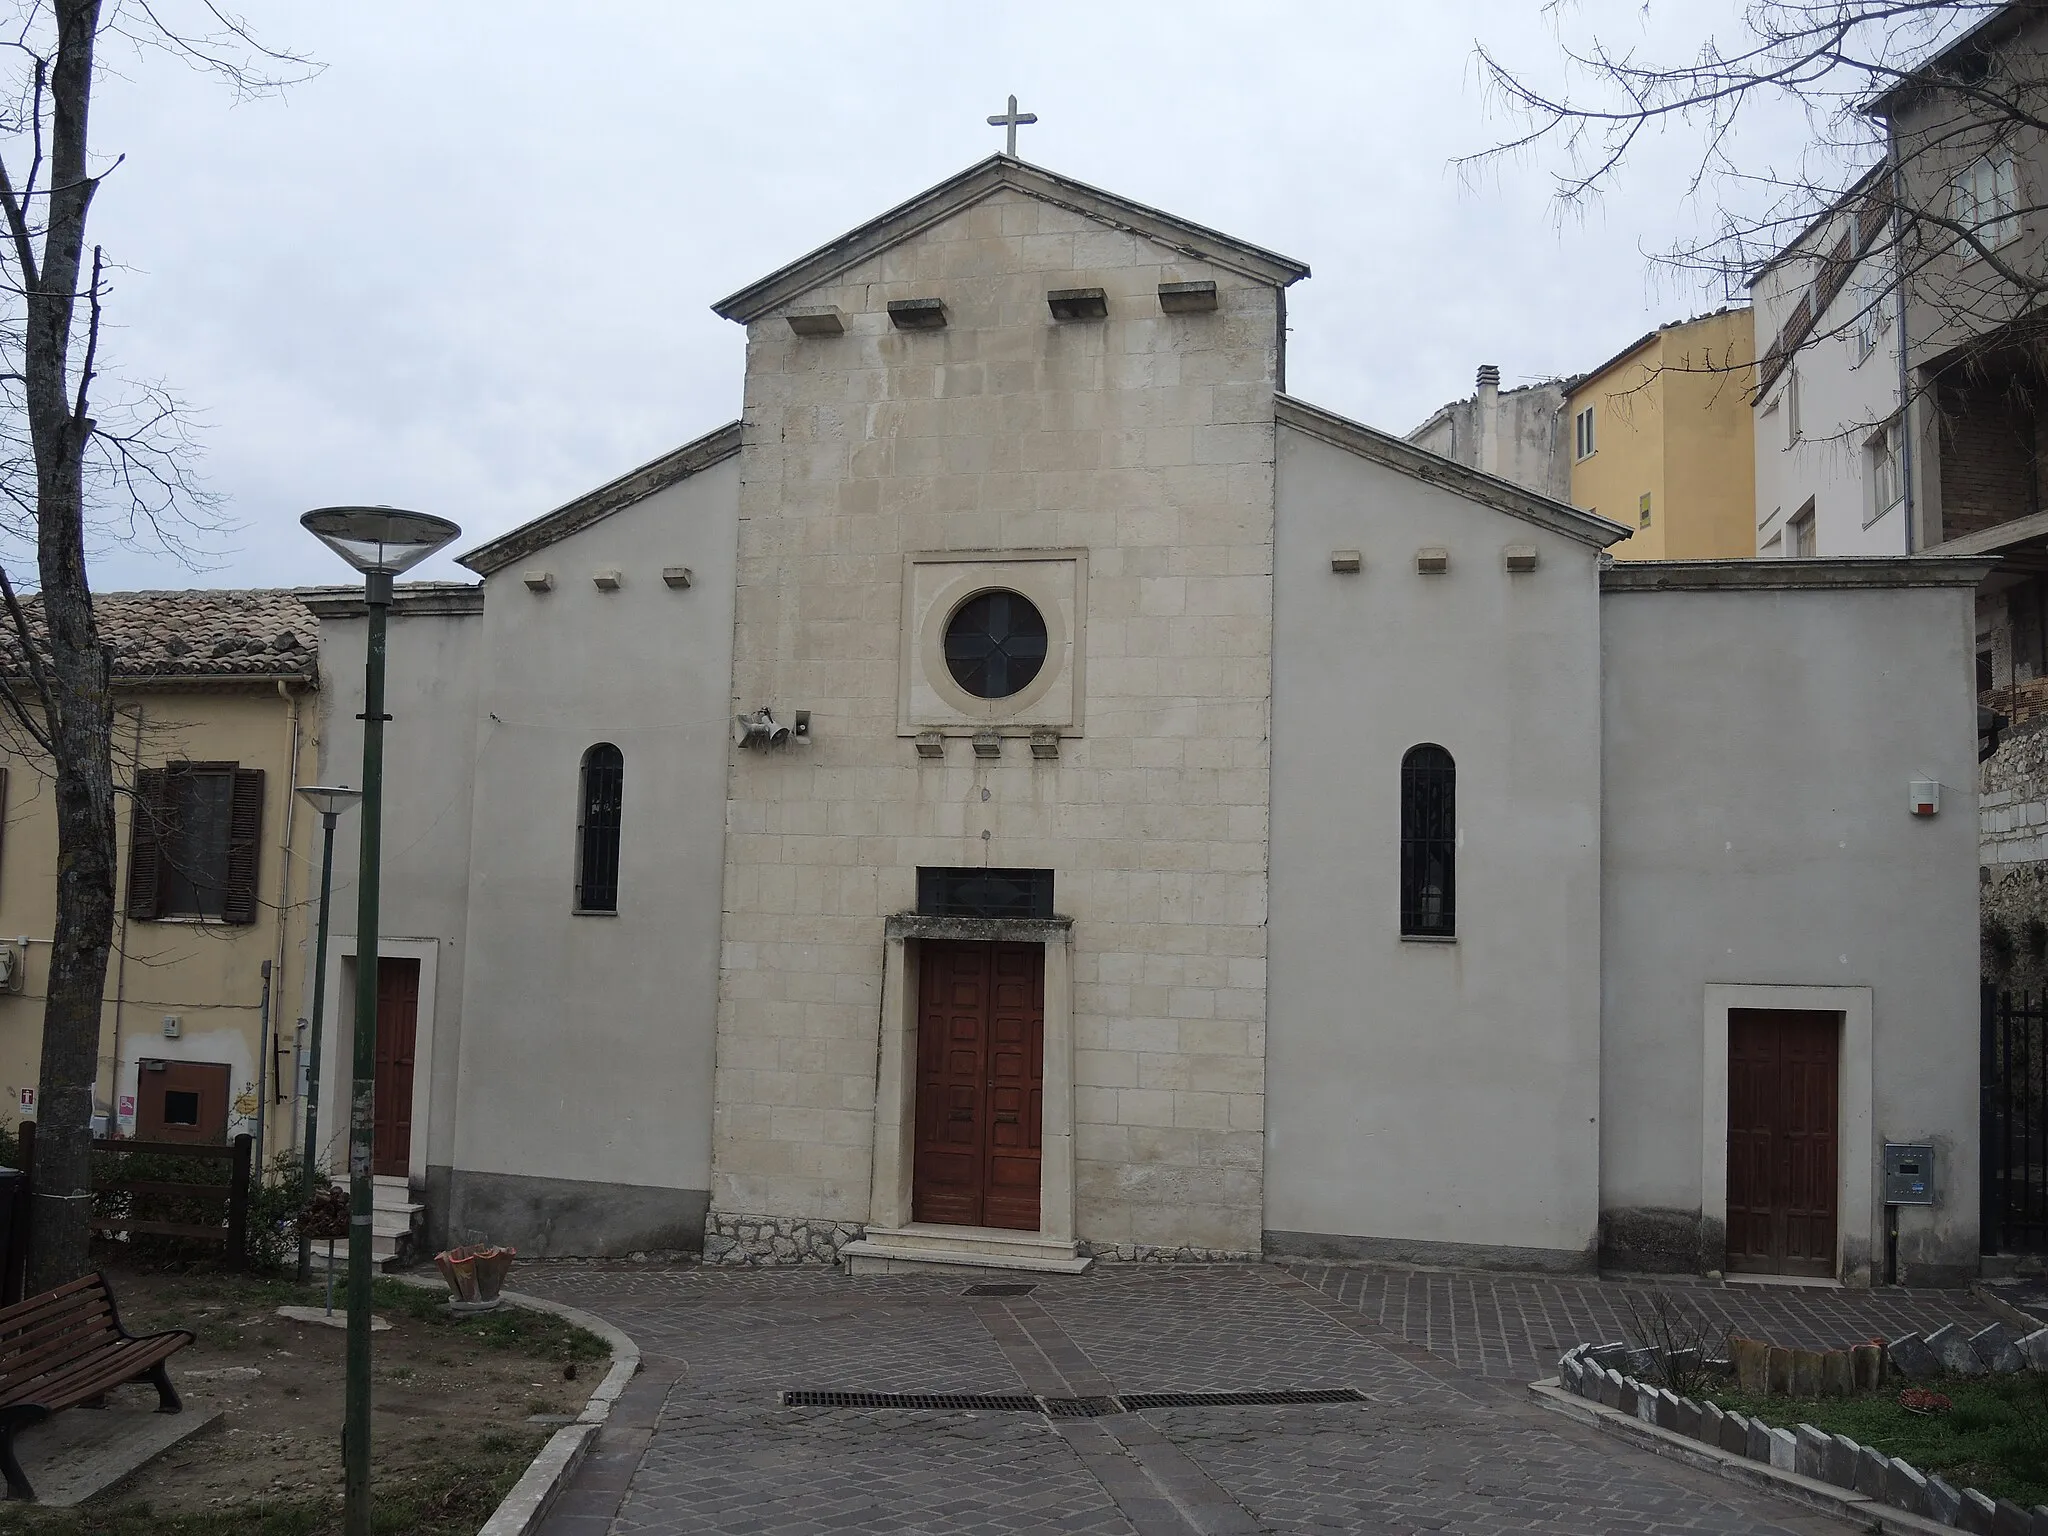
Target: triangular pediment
997 173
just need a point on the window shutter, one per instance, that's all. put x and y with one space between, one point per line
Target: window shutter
245 840
145 836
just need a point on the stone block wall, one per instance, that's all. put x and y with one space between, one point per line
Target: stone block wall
1146 439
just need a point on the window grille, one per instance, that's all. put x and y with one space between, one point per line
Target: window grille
597 841
984 892
1429 837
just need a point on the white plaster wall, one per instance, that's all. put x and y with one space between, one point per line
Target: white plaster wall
1841 401
587 1046
431 679
1426 1094
1759 747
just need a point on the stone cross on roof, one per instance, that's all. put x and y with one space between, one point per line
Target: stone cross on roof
1010 120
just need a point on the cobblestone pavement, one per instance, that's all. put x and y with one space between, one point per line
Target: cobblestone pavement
1447 1441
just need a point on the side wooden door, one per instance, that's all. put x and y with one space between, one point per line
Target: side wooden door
398 1012
980 1084
1783 1074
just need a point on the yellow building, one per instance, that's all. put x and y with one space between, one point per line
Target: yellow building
1662 440
218 857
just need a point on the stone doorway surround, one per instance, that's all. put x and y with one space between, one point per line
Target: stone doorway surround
1858 1225
895 1242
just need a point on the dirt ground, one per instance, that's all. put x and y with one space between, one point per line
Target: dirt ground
450 1401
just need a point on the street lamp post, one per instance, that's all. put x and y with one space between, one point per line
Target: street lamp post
381 542
330 800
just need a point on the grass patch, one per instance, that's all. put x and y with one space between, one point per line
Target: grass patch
1995 1438
451 1497
538 1335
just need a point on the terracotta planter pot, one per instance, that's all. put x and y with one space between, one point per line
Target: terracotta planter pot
475 1275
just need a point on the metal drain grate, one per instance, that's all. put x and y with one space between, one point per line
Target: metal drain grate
1138 1402
1080 1407
999 1290
986 1401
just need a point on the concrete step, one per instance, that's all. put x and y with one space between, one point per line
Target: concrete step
891 1250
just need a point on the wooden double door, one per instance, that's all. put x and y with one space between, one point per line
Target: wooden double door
1784 1068
980 1084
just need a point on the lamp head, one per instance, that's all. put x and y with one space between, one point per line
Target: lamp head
379 541
329 799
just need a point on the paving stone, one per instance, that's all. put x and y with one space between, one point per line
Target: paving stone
1910 1356
2034 1347
1759 1447
1783 1449
1944 1501
1711 1421
1843 1458
1440 1447
1805 1373
1905 1488
1837 1373
1810 1451
1997 1347
1751 1358
1951 1346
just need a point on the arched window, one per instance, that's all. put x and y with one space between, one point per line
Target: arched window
1429 841
597 831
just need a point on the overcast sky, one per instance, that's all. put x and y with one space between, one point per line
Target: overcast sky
468 268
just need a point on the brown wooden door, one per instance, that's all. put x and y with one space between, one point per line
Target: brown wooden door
980 1084
182 1101
1783 1067
398 1012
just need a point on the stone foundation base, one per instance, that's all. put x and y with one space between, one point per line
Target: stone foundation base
1149 1253
774 1241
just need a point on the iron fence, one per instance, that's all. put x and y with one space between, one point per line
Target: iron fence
2014 1122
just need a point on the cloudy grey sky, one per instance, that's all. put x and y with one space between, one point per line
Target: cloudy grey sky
468 268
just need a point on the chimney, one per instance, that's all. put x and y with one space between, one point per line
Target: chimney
1489 418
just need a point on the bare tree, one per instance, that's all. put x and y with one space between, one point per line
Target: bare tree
67 474
1898 97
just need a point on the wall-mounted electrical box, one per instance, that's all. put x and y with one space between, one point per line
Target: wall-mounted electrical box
173 1026
1926 797
1908 1173
13 968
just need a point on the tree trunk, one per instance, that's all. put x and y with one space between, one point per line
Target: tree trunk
80 705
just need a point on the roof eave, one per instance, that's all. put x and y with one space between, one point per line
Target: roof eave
1406 458
971 186
635 485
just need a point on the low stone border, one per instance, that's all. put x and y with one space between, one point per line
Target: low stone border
520 1511
1812 1465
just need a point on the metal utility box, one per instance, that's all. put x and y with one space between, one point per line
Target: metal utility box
1908 1173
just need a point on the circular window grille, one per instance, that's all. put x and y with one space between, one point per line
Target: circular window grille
995 644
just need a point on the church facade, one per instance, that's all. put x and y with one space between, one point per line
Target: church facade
1032 790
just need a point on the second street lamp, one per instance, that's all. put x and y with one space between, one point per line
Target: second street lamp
381 542
330 800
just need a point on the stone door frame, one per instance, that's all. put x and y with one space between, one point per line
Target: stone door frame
896 1077
1858 1225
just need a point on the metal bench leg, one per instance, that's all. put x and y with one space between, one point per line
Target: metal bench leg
167 1399
17 1485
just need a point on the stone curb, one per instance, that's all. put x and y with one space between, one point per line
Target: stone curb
2003 1310
1866 1513
520 1511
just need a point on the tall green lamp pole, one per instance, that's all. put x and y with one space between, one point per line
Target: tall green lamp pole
330 800
381 542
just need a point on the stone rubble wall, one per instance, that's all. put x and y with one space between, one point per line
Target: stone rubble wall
774 1242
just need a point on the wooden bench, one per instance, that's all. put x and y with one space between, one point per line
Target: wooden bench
65 1348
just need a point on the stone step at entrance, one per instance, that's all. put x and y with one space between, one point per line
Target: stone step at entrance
924 1246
